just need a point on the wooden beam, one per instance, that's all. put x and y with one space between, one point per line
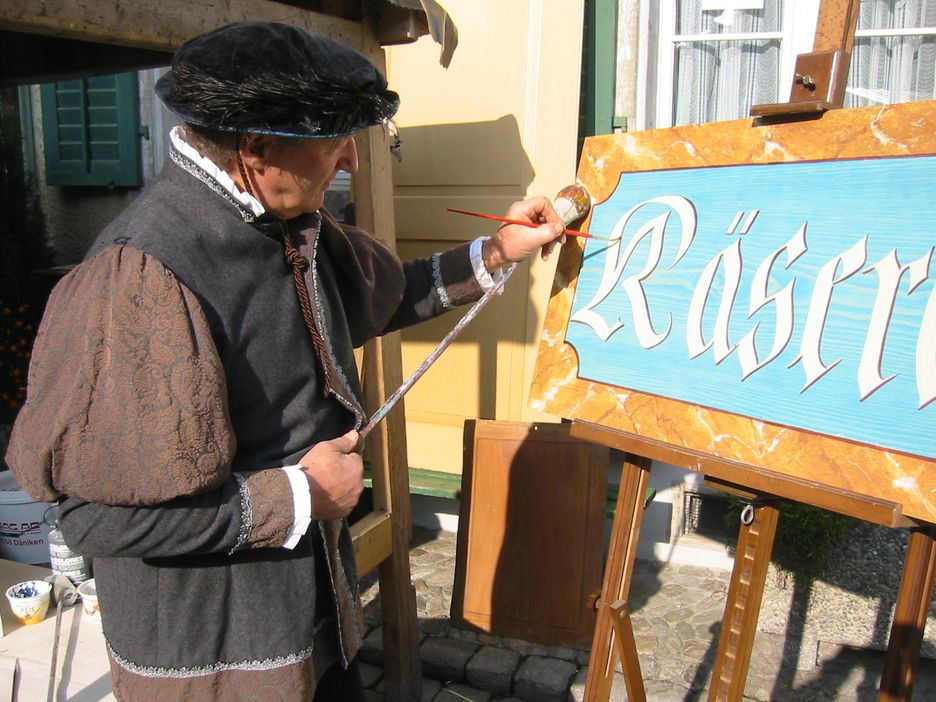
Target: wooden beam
26 59
627 651
372 536
910 612
759 480
373 189
619 571
159 26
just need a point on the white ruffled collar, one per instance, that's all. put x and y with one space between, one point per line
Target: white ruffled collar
219 175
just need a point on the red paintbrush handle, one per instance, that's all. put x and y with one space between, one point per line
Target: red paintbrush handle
507 220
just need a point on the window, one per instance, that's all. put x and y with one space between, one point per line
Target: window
718 58
894 58
91 131
715 59
338 198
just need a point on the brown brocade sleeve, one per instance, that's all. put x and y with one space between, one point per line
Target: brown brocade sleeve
126 401
271 508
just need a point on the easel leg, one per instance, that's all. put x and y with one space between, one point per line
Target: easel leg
622 551
627 650
755 542
913 600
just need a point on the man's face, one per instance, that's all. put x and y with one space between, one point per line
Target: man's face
296 173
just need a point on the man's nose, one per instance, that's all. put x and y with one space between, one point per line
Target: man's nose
348 160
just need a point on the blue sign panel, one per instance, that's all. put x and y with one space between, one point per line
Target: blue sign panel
802 294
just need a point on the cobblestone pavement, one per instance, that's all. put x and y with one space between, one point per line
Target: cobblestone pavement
676 613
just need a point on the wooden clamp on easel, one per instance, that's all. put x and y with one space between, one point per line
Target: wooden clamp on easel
819 77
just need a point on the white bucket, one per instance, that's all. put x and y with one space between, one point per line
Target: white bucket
24 534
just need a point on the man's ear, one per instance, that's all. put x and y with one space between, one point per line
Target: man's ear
253 149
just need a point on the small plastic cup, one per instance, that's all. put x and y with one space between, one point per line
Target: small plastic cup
29 600
89 599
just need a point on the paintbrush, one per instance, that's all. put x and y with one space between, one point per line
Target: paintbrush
507 220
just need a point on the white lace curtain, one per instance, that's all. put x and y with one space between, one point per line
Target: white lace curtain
894 68
722 79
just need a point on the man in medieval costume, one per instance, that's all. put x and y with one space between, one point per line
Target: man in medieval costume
193 400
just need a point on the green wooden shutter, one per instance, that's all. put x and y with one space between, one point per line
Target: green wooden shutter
597 108
91 131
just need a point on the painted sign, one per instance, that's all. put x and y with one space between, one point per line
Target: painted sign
798 293
766 301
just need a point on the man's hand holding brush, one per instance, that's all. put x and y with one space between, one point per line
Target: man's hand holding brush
513 242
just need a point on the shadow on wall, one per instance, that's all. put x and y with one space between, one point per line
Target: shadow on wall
478 166
487 157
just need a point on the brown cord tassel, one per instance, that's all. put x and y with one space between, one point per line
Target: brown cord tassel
299 265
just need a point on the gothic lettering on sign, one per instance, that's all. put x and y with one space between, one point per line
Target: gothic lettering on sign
824 302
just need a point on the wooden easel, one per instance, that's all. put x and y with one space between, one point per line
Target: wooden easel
755 542
819 85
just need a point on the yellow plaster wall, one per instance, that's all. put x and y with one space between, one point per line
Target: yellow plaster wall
498 125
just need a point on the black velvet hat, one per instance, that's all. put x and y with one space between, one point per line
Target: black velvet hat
274 78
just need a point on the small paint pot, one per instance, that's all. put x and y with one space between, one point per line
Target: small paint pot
89 599
29 600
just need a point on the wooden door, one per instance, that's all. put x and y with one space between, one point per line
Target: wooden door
530 532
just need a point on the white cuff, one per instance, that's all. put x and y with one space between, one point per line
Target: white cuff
302 505
485 280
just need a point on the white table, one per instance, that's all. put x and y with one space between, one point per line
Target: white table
82 667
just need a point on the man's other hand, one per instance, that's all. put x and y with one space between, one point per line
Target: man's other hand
336 476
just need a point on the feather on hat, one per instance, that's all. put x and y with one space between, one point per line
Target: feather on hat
274 78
